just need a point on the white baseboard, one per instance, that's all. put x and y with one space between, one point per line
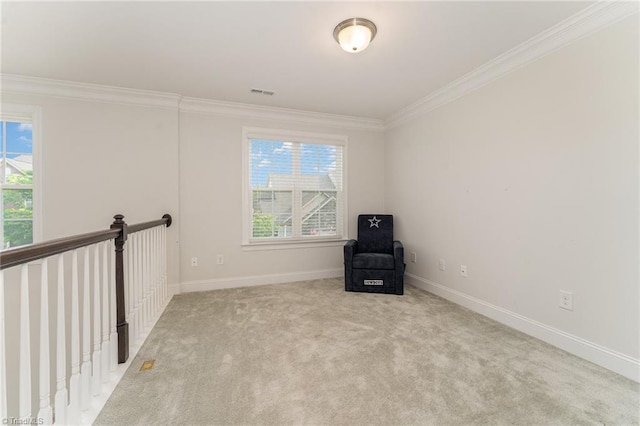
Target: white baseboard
604 357
174 289
221 283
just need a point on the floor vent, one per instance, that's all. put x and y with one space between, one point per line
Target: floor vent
147 365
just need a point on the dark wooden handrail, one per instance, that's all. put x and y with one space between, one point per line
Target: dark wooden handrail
24 254
118 232
166 220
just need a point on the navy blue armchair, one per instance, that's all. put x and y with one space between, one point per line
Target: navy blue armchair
374 263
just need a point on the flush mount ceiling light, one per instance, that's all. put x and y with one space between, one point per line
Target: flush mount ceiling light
355 34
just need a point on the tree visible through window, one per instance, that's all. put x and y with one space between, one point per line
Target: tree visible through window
296 189
16 184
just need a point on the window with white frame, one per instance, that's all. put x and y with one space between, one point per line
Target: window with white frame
19 177
294 186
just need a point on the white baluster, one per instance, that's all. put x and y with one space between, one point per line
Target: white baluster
3 356
160 284
140 282
61 351
125 266
147 305
85 369
165 284
152 272
145 276
105 312
138 285
46 412
159 265
113 337
96 358
156 270
73 410
25 346
133 331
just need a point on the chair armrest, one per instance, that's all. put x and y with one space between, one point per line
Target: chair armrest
350 248
398 255
398 251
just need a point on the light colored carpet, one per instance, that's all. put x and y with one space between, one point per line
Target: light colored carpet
309 353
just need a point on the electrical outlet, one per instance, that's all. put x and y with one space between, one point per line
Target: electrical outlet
194 261
220 259
414 257
441 265
566 300
463 271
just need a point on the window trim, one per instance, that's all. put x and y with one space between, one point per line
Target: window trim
249 133
32 114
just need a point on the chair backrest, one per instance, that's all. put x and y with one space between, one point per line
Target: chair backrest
375 233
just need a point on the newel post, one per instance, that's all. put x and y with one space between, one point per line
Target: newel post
121 323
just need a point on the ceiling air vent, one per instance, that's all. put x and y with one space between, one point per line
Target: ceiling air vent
263 92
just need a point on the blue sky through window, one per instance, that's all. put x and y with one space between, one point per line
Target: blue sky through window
19 139
276 157
316 159
269 157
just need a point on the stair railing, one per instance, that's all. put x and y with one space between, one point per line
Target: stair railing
74 306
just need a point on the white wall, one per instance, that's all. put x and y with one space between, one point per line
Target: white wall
211 202
532 182
100 159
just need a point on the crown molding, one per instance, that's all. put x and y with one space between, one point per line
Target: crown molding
247 111
18 84
572 29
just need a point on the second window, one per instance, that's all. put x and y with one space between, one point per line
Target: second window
296 187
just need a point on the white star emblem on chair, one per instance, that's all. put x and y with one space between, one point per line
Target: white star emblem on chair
374 222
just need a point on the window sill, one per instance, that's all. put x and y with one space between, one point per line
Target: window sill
291 245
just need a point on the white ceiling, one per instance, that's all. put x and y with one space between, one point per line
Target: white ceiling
220 50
